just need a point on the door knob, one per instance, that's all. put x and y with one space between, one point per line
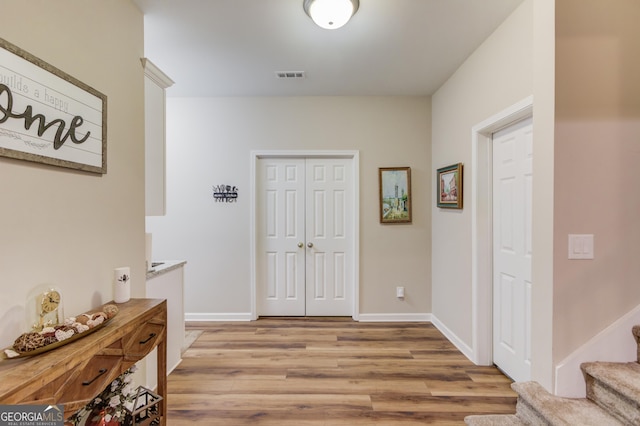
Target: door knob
300 244
309 245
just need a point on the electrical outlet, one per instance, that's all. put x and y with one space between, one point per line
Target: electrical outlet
400 292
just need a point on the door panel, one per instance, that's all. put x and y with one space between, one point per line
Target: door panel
280 262
512 253
329 212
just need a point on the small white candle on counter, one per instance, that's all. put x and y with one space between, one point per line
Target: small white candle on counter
122 284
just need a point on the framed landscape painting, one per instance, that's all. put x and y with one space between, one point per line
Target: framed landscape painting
449 186
395 194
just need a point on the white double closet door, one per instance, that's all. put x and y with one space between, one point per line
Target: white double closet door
304 264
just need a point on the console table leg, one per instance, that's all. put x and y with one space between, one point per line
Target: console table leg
162 377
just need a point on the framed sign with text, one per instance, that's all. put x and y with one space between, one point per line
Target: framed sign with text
47 116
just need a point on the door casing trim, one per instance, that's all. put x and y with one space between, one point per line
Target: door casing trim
482 226
255 156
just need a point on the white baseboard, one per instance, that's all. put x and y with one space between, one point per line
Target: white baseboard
169 370
394 317
613 344
457 342
210 316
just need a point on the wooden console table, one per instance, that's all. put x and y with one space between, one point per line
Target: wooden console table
73 374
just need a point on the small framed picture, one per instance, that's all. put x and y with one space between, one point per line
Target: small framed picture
449 186
395 194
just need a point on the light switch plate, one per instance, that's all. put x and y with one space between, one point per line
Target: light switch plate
581 246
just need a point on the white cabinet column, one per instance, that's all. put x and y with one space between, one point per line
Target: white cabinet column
155 84
167 282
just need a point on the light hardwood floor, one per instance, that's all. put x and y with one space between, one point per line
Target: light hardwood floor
329 372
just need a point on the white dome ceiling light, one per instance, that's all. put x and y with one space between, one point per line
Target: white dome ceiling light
330 14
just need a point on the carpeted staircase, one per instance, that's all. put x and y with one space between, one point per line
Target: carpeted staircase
613 398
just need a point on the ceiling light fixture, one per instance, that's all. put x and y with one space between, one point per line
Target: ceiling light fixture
330 14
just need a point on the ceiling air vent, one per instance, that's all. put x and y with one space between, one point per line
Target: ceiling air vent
290 74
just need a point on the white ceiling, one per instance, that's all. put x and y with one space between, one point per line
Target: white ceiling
390 47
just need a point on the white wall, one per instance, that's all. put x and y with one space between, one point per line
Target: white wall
596 166
581 68
64 227
497 75
209 141
542 215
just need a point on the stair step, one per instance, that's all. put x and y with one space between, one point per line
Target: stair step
614 387
537 406
636 335
494 420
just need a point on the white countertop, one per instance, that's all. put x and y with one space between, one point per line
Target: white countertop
164 266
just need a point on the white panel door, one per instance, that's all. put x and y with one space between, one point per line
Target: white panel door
305 245
329 246
512 195
281 234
